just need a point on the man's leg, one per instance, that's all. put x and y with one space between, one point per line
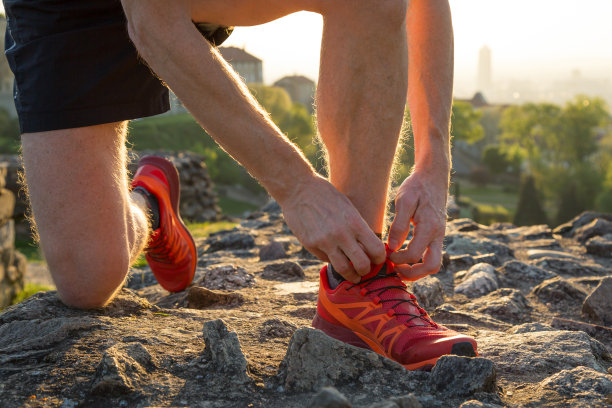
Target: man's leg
361 97
90 226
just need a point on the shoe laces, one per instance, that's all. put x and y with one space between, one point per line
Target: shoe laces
388 288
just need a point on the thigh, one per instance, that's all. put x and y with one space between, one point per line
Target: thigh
247 12
77 184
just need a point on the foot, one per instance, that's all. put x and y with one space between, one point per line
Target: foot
171 251
380 314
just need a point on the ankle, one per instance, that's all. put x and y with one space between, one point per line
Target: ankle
152 206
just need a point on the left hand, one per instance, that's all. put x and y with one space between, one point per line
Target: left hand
421 200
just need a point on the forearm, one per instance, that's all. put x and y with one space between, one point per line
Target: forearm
430 83
222 104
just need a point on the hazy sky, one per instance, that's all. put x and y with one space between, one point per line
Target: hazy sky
530 39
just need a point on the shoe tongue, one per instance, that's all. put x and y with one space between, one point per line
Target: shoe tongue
385 271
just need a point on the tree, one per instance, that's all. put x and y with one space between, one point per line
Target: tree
529 210
495 159
560 146
465 123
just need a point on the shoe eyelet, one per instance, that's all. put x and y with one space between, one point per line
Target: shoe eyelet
363 291
377 300
390 313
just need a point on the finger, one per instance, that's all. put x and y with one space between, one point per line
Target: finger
373 246
432 260
341 265
416 247
357 256
400 227
318 253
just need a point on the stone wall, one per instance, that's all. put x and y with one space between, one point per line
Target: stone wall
198 199
12 263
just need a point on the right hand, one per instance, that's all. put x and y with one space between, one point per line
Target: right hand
330 227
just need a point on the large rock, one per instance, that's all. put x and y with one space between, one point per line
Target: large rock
223 351
329 397
123 369
459 244
429 292
232 240
579 386
600 246
315 360
559 293
508 305
536 355
596 227
517 274
570 267
598 305
462 376
479 280
570 228
227 277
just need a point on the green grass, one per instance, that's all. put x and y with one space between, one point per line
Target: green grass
204 229
492 195
30 249
29 290
233 207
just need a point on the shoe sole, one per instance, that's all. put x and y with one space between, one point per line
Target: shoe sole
348 336
174 183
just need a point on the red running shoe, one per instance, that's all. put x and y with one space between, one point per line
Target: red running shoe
379 314
171 251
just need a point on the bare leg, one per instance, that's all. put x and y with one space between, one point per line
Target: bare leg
90 227
361 91
361 98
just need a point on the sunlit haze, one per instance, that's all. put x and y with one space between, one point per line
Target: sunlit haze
540 50
535 45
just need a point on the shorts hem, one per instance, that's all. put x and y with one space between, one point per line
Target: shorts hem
33 122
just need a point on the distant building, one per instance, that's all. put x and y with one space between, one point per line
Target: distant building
248 66
477 101
485 80
300 88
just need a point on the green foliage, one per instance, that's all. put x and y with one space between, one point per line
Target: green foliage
561 148
29 290
181 132
204 229
10 140
489 214
529 210
465 123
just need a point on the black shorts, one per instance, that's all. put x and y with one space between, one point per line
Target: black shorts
75 65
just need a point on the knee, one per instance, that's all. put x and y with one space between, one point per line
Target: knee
87 279
150 23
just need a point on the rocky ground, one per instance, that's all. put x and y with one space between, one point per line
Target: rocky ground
537 301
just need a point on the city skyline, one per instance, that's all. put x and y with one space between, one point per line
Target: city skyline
541 43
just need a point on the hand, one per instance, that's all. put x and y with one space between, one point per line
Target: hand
331 228
421 200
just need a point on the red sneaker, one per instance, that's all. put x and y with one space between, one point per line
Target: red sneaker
171 251
379 314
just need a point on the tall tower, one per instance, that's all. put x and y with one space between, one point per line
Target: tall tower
484 70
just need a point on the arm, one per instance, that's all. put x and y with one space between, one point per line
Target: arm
421 199
321 217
